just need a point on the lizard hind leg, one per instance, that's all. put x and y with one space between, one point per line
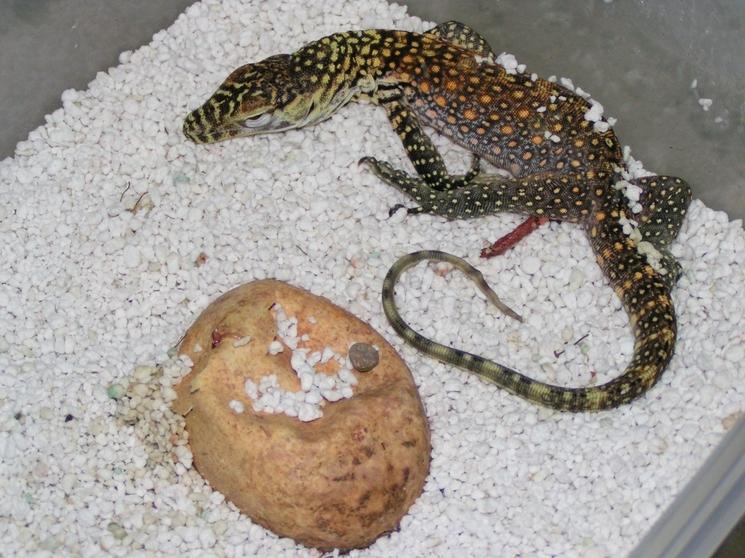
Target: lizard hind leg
463 36
673 269
665 200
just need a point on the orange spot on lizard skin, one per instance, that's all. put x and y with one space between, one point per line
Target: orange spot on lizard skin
470 114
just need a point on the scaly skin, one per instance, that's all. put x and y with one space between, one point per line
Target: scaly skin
562 167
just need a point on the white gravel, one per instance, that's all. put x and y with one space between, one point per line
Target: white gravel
705 103
115 232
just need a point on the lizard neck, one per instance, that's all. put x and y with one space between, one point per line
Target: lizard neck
358 62
344 63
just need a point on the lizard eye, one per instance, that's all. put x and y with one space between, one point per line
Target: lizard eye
257 121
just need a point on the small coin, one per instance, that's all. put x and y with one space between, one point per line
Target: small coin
364 357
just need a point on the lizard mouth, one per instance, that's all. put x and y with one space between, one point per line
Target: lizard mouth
260 124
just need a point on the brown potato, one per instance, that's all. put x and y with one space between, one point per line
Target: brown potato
336 482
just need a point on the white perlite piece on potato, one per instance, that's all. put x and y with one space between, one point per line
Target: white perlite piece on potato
242 342
315 387
236 406
507 477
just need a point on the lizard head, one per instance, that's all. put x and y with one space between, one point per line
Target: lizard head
254 99
273 95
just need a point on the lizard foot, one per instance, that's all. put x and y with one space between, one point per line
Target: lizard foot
403 181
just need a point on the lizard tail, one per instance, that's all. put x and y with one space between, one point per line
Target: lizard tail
646 299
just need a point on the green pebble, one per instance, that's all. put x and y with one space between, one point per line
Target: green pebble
117 530
50 544
180 177
115 391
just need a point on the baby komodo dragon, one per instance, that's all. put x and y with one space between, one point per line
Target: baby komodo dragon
565 164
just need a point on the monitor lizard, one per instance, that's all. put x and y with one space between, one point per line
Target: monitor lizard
562 164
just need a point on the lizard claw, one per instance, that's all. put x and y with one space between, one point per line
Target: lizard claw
409 210
392 211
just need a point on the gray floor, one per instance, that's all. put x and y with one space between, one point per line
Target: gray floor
638 58
47 46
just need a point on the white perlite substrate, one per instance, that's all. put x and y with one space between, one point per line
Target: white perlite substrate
116 232
315 387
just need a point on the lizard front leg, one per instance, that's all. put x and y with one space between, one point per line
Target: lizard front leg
422 153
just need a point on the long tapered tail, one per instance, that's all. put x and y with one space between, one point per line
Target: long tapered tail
645 297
